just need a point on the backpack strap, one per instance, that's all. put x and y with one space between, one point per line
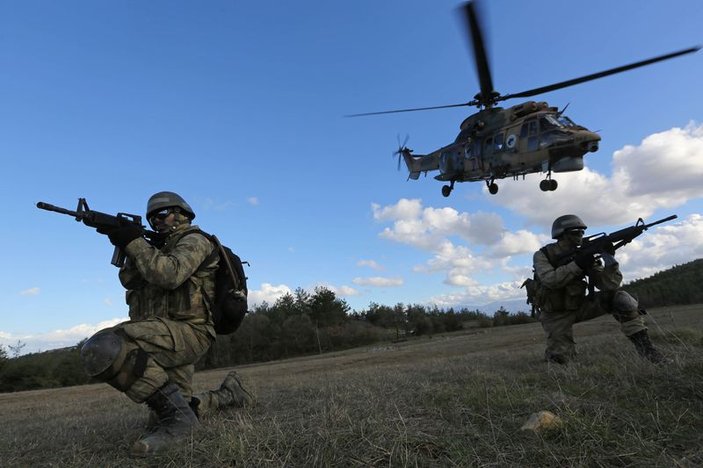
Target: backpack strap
225 257
220 252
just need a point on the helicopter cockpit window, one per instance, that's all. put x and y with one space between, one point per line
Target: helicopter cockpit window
548 122
565 121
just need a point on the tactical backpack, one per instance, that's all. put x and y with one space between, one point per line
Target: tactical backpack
536 291
229 306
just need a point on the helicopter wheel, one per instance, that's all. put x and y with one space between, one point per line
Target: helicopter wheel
446 190
548 185
493 188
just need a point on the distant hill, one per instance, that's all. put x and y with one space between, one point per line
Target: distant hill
679 285
511 305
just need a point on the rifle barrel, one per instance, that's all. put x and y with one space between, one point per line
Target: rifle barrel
668 218
57 209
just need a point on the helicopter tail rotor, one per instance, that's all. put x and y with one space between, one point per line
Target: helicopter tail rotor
402 149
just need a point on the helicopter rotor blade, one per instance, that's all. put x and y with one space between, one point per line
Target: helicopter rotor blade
595 76
474 26
470 103
401 148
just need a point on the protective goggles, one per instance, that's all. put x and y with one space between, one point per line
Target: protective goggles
160 215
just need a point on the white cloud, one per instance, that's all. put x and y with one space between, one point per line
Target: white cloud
404 209
480 294
369 263
378 282
210 204
515 243
268 293
30 292
426 227
253 201
346 291
669 164
663 247
60 338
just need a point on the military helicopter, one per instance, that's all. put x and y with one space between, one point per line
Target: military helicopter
496 143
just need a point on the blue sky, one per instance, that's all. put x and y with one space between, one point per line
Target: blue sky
238 107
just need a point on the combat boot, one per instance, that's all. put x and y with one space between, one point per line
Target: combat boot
231 393
645 348
175 421
152 423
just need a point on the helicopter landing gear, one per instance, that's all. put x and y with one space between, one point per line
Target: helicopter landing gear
447 189
492 187
548 184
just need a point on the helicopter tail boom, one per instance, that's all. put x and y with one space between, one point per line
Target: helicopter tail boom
419 163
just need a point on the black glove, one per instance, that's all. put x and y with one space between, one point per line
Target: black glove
157 239
584 260
123 235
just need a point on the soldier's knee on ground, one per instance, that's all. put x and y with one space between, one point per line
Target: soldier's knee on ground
103 354
624 307
106 357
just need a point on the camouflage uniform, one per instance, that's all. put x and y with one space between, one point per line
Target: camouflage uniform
170 325
564 300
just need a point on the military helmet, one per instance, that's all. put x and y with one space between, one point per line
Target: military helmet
161 200
564 223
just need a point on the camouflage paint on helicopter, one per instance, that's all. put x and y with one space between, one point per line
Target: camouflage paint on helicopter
496 143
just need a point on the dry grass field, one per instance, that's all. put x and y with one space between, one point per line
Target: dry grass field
453 400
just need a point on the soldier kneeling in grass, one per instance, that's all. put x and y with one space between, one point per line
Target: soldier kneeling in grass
151 357
559 290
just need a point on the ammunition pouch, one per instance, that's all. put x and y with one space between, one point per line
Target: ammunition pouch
569 299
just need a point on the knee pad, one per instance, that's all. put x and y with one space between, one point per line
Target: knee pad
103 352
623 302
106 357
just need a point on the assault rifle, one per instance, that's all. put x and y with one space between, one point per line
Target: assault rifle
598 243
96 219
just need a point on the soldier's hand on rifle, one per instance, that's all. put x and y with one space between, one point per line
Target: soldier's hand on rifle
584 260
121 236
608 248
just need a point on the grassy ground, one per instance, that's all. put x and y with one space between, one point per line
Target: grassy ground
453 400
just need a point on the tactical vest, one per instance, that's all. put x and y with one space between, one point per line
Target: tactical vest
569 298
186 302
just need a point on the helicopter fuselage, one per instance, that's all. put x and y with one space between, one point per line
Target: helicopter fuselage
496 143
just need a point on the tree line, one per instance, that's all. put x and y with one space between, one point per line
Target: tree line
303 323
296 324
679 285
